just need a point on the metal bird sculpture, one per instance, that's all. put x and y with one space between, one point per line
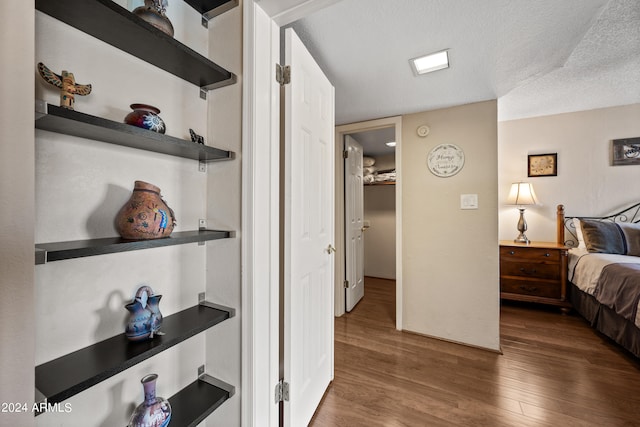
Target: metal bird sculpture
67 84
195 137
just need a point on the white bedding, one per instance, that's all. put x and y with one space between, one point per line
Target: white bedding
585 269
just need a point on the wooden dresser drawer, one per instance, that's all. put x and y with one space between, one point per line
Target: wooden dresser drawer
530 287
534 272
512 253
530 269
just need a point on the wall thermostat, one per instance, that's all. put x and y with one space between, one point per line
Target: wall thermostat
423 131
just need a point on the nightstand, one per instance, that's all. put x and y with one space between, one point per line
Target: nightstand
536 272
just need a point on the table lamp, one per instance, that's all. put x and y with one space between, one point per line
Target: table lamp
522 195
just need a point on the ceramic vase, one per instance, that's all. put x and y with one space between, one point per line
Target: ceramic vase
146 117
145 318
153 12
154 411
146 215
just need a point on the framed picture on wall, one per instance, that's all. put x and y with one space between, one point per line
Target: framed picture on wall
542 165
625 151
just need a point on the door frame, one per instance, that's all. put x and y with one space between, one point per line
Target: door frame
341 131
260 232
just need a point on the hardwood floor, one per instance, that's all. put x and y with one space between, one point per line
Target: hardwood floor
554 371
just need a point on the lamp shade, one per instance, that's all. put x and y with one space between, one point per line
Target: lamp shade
522 194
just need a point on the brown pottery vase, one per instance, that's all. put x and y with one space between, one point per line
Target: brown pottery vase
153 12
145 216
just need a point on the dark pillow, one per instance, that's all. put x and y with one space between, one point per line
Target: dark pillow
631 233
603 237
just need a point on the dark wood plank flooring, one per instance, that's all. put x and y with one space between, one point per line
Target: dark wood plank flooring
554 371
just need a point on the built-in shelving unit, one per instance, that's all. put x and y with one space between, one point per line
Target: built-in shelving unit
191 405
68 375
75 372
58 251
69 122
115 25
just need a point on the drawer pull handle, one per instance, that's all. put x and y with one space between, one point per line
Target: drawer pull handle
512 252
547 254
529 288
533 271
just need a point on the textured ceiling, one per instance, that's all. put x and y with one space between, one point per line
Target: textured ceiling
536 57
373 141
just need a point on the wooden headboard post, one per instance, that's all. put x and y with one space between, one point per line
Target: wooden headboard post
560 225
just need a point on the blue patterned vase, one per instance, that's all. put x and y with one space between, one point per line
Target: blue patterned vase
146 117
145 318
154 411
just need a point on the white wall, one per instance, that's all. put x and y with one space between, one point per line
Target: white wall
224 212
586 184
380 237
450 271
81 184
17 327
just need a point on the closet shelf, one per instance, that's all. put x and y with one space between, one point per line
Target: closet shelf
69 122
58 251
115 25
195 402
381 183
75 372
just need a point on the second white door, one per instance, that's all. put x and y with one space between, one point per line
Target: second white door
354 223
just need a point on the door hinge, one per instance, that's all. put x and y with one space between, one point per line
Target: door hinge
346 284
283 74
345 154
282 391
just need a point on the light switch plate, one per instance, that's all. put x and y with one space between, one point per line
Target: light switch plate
468 201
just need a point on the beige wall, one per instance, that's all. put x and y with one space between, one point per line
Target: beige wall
450 271
386 162
17 330
380 237
586 184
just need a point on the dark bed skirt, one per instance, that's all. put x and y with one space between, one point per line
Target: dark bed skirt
605 320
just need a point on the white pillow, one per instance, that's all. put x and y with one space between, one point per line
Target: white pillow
578 227
368 161
370 170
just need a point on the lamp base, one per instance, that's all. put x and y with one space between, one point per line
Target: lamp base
522 227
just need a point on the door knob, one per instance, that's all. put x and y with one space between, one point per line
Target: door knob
330 249
364 228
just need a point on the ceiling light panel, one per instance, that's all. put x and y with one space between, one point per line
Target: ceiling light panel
432 62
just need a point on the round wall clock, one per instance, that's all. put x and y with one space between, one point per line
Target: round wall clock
445 160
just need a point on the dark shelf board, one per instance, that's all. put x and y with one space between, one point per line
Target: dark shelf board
191 405
115 25
211 8
58 251
70 122
73 373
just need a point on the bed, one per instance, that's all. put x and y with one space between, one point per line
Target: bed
604 272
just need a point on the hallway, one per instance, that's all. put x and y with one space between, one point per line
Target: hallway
555 370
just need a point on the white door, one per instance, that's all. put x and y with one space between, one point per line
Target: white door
308 233
354 225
